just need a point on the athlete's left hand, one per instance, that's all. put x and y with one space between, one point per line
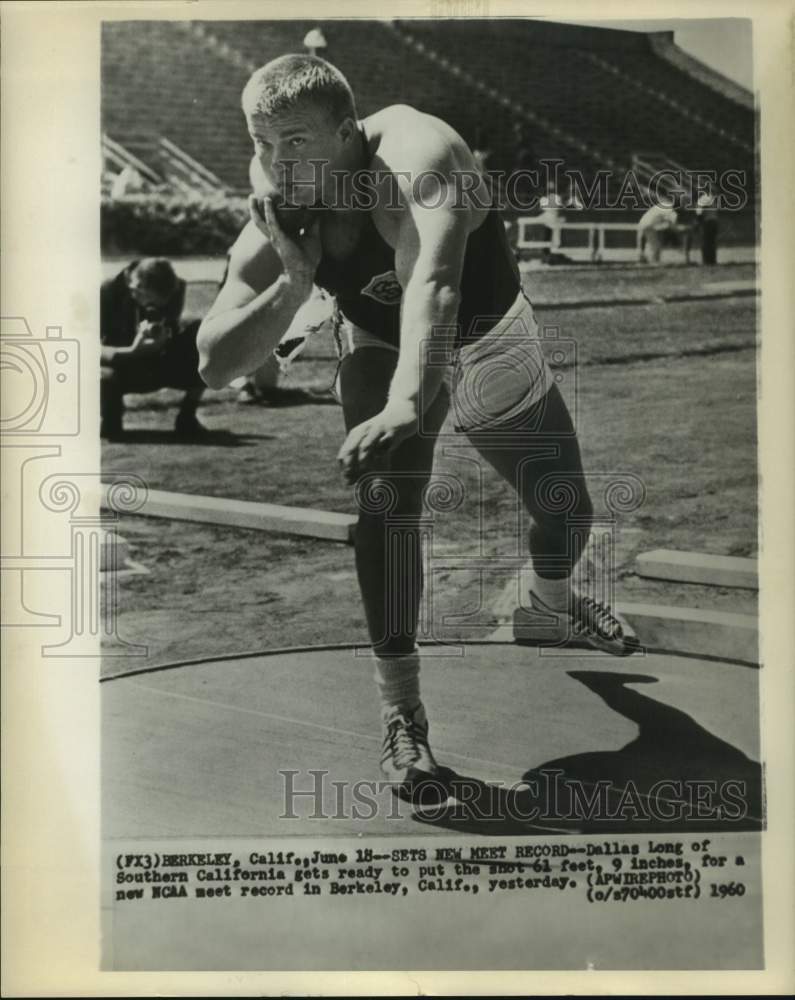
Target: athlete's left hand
368 442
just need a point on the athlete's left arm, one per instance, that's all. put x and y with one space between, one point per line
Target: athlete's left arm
429 257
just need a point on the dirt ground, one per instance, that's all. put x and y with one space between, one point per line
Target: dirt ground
665 392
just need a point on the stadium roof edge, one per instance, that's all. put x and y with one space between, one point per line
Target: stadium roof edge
567 34
663 45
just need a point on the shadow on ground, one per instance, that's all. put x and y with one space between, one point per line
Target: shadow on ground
214 438
673 775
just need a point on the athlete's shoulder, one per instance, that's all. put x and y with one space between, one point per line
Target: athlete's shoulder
407 139
394 115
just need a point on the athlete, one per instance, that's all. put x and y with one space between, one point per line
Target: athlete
434 318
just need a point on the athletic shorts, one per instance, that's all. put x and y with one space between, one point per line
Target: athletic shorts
492 382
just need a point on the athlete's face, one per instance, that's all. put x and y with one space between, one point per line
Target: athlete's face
298 150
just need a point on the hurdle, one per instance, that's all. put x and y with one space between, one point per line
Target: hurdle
306 521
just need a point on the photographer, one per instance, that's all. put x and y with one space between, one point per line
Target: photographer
145 346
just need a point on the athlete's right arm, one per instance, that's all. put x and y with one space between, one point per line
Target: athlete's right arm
252 311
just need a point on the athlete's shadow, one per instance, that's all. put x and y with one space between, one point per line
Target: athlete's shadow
674 774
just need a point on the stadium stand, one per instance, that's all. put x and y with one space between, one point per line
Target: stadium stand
593 97
158 82
608 88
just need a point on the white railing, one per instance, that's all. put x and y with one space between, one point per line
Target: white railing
174 165
120 157
183 167
596 234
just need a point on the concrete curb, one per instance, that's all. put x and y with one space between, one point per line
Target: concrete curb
728 635
306 521
698 567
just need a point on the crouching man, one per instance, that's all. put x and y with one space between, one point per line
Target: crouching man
145 344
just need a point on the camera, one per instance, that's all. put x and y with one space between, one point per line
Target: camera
40 381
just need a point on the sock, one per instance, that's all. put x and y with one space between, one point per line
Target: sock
556 594
398 680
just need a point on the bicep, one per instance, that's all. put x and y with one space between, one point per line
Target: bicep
431 244
253 267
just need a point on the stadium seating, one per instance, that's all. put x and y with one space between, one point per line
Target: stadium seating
157 80
591 97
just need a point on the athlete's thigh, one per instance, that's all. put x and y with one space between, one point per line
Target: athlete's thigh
365 377
410 466
415 455
546 446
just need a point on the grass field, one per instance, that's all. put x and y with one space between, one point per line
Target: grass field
666 392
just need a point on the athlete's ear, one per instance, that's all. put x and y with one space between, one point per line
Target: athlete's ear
346 130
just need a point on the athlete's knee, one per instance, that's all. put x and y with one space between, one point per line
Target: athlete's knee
380 498
560 499
583 511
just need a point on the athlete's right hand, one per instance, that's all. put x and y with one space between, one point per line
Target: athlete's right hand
300 255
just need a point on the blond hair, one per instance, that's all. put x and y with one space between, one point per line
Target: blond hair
283 83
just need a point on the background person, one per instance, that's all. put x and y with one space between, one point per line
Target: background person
687 222
653 226
707 223
550 218
145 344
